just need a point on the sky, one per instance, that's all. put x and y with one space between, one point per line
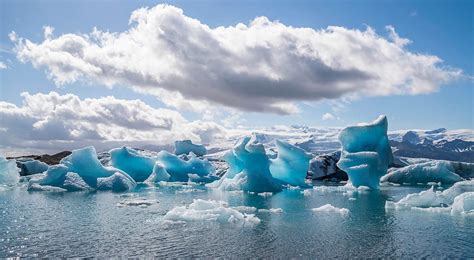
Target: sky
80 72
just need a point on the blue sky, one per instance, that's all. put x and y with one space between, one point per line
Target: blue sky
440 28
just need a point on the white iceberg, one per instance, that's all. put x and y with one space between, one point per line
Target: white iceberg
211 211
446 172
366 153
328 208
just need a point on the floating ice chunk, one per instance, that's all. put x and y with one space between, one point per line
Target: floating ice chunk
324 167
366 153
138 166
32 167
74 182
306 192
211 210
140 202
432 171
9 173
328 208
45 188
159 174
272 210
291 164
186 147
179 169
245 209
116 182
463 204
432 198
84 163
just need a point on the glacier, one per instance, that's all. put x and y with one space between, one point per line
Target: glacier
291 164
9 172
187 146
445 172
82 170
366 152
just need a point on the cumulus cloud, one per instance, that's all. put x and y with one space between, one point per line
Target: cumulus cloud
263 66
54 121
328 116
3 65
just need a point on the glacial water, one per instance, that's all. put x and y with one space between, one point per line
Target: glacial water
78 224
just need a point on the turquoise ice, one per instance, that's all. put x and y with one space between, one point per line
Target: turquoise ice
83 171
366 152
9 173
182 170
291 165
138 166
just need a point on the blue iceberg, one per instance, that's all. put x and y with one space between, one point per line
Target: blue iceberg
249 169
366 153
32 167
82 170
446 172
9 173
159 174
180 170
291 164
186 147
138 166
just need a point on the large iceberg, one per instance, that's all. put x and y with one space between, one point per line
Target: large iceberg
445 172
138 166
182 170
366 153
186 147
9 173
82 170
291 164
249 169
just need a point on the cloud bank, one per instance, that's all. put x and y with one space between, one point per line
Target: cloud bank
57 122
263 66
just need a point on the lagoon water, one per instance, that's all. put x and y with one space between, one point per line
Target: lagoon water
41 224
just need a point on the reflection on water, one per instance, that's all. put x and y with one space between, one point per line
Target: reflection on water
91 224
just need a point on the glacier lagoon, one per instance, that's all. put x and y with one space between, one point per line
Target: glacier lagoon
109 224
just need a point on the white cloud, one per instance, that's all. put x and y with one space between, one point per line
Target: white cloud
328 116
3 65
54 121
264 66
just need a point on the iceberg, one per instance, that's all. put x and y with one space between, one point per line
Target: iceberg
255 176
179 170
9 173
431 198
463 204
366 153
81 170
31 167
291 164
138 166
159 174
445 172
211 211
328 208
186 147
